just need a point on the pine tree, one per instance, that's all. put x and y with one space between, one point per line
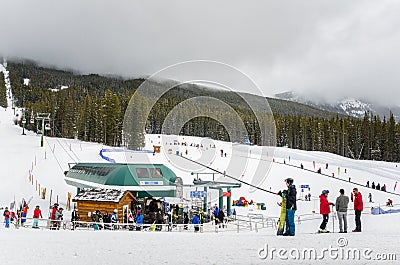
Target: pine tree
3 92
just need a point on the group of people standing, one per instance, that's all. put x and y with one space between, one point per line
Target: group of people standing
377 186
342 202
9 216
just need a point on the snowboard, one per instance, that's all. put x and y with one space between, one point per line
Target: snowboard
282 218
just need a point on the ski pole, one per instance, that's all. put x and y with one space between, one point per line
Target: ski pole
333 221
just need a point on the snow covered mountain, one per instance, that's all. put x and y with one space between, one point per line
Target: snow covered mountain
347 106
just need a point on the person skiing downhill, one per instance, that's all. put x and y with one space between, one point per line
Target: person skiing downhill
324 210
291 206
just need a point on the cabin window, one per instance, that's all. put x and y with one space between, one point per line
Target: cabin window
142 173
156 173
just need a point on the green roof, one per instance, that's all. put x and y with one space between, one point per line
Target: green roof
148 178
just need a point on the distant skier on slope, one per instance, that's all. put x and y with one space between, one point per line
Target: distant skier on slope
325 210
291 207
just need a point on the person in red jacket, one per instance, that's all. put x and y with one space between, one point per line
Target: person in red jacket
325 210
358 208
53 215
37 213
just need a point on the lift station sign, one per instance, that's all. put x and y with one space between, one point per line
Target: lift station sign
151 183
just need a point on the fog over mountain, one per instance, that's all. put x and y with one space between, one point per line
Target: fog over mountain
354 107
324 49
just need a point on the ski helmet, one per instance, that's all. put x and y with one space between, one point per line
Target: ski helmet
325 192
289 181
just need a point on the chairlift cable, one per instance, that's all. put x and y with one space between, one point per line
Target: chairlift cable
226 175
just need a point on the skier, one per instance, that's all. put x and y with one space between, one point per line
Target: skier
6 215
24 213
221 216
185 220
373 185
395 185
368 184
291 206
196 222
96 219
370 197
342 203
37 213
59 217
114 218
352 197
139 222
325 210
53 215
389 203
216 211
74 217
358 207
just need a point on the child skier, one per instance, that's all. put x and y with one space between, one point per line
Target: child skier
324 210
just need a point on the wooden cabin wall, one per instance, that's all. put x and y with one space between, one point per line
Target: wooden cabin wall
85 207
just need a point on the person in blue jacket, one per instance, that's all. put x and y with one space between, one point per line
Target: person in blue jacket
114 219
139 222
196 222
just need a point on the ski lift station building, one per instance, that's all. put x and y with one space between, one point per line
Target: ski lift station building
142 180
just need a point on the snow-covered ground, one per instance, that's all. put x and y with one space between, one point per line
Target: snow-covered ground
22 155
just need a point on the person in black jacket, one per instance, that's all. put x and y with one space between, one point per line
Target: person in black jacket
221 216
291 206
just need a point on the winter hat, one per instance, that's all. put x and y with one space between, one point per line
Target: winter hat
115 211
325 192
289 181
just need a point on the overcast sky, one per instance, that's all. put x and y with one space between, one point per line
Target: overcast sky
321 48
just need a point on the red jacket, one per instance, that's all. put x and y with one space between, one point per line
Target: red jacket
6 214
53 213
324 205
37 213
358 202
25 210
